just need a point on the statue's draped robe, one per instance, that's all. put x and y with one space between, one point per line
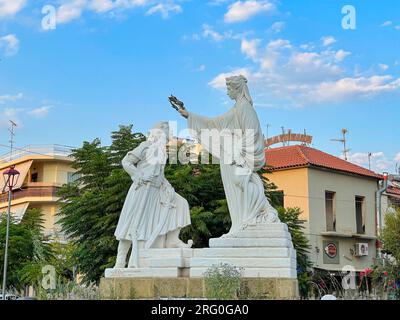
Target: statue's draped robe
151 209
244 190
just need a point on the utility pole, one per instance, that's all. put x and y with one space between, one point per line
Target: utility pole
344 141
369 160
10 178
12 135
283 133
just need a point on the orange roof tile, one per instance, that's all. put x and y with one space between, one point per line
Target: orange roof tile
302 156
393 190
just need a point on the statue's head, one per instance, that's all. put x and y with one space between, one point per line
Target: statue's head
160 131
237 88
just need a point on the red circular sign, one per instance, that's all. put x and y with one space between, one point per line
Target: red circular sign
331 250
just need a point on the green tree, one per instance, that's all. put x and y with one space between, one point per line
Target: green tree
391 234
291 216
28 251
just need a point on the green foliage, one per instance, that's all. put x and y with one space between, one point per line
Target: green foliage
391 234
389 274
222 282
290 216
28 249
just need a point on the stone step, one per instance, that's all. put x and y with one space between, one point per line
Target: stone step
247 262
166 252
250 242
163 262
290 273
244 252
268 227
142 273
263 234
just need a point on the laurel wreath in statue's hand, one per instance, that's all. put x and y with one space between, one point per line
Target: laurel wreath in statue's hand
176 103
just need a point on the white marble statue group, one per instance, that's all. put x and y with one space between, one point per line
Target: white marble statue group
154 214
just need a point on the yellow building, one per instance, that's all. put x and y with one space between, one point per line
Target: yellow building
43 170
338 203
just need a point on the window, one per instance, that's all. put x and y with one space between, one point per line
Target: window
330 211
34 177
360 223
73 176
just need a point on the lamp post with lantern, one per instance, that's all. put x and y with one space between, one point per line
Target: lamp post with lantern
11 177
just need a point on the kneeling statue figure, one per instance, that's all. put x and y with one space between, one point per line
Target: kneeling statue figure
153 213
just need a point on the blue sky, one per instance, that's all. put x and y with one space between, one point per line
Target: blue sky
115 62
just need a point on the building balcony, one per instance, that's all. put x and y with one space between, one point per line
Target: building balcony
335 234
33 192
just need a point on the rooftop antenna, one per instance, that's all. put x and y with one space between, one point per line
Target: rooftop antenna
290 136
343 140
12 135
369 160
305 133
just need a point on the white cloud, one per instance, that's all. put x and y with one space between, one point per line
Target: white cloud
279 44
341 55
397 158
350 88
219 81
250 48
71 10
101 5
9 114
10 98
165 9
397 27
383 66
327 41
292 76
378 160
40 112
9 8
278 26
386 24
9 44
201 68
244 10
209 32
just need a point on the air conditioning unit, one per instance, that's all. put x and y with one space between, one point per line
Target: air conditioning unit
361 249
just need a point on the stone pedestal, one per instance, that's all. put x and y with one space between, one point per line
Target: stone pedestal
157 263
263 251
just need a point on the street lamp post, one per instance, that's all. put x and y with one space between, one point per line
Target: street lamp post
10 181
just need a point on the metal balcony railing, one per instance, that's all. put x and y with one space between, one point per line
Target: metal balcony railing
43 150
31 193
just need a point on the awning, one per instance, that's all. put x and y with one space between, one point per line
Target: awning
17 211
23 169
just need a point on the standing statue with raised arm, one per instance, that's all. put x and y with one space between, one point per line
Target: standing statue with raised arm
239 165
153 213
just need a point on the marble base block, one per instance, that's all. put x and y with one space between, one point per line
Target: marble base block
157 263
264 250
